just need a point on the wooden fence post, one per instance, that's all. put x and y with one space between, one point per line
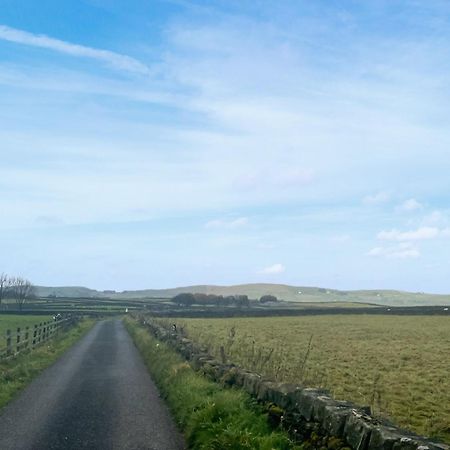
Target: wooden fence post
27 337
8 343
18 340
35 335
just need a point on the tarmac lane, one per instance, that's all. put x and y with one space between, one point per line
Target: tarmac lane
98 395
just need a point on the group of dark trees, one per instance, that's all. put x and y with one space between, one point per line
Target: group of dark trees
15 288
188 299
268 299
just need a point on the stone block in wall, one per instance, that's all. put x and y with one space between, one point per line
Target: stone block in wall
229 378
198 360
285 395
305 402
219 369
251 383
266 391
281 394
205 359
358 429
296 425
437 446
186 351
333 417
211 369
320 403
415 443
223 370
384 438
241 376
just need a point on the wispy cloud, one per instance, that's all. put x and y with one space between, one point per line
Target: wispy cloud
273 270
434 218
377 198
400 251
410 205
227 224
117 60
407 241
247 114
422 233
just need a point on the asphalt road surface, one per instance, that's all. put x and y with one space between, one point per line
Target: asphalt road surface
98 395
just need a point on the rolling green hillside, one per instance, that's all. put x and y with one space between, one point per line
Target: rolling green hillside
283 292
66 291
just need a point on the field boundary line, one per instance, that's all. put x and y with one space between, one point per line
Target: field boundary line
24 339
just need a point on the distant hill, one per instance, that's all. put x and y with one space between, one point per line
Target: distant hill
283 292
66 291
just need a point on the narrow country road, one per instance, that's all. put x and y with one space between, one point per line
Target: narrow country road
98 395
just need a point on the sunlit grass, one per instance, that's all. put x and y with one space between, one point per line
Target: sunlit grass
399 365
210 416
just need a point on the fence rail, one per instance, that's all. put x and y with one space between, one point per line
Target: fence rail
27 338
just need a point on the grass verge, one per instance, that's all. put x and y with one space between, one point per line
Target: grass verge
16 373
211 417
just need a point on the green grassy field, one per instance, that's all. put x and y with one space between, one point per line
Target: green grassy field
211 417
11 322
399 366
304 294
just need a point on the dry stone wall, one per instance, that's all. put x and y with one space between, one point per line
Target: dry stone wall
307 413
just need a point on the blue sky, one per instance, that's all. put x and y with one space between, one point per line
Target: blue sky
166 143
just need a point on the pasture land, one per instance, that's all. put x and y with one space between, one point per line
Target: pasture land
399 365
12 321
301 294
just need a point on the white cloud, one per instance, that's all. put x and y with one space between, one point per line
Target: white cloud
116 60
228 224
421 233
261 103
406 247
274 269
434 217
404 250
377 199
410 205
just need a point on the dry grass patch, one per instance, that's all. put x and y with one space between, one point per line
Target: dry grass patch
399 365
